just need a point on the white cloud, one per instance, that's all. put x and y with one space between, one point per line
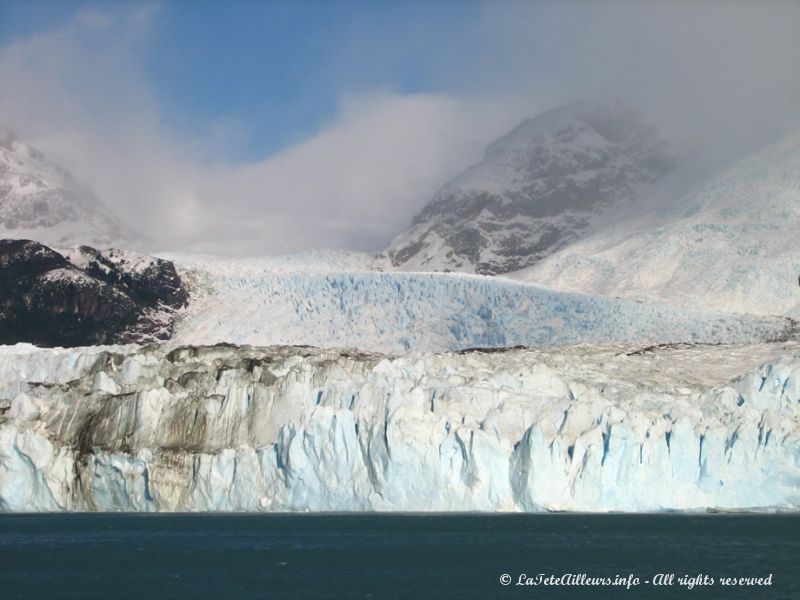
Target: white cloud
359 181
721 73
356 183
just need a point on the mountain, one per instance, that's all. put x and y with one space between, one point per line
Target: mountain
84 296
539 188
228 428
40 200
731 244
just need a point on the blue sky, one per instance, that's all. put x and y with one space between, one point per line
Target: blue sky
282 66
279 69
282 126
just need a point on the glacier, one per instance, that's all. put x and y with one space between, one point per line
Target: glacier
260 302
614 427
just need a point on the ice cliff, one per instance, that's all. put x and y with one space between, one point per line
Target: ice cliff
229 428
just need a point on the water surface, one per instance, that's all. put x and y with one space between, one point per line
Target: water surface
390 556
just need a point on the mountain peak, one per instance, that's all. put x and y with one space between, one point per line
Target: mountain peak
41 200
538 188
611 118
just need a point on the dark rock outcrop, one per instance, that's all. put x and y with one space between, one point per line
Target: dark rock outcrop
85 296
147 280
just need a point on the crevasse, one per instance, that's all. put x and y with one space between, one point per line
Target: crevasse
398 312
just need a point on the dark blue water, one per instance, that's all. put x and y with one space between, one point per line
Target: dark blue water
390 556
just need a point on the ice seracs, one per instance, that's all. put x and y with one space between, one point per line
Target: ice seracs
252 302
614 428
420 402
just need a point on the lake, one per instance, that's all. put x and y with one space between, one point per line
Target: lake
399 556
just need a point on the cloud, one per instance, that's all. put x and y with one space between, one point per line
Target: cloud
359 181
80 96
718 76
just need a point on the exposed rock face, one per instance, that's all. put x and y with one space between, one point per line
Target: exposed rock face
273 429
147 280
85 296
41 200
539 188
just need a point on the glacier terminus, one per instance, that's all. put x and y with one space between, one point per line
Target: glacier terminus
615 427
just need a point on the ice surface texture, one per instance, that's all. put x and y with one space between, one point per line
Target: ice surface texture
244 429
396 312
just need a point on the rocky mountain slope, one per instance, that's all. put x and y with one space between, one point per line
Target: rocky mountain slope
539 188
731 244
274 429
40 200
84 296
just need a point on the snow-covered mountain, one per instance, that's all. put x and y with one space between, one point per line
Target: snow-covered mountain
731 244
41 201
539 188
275 429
